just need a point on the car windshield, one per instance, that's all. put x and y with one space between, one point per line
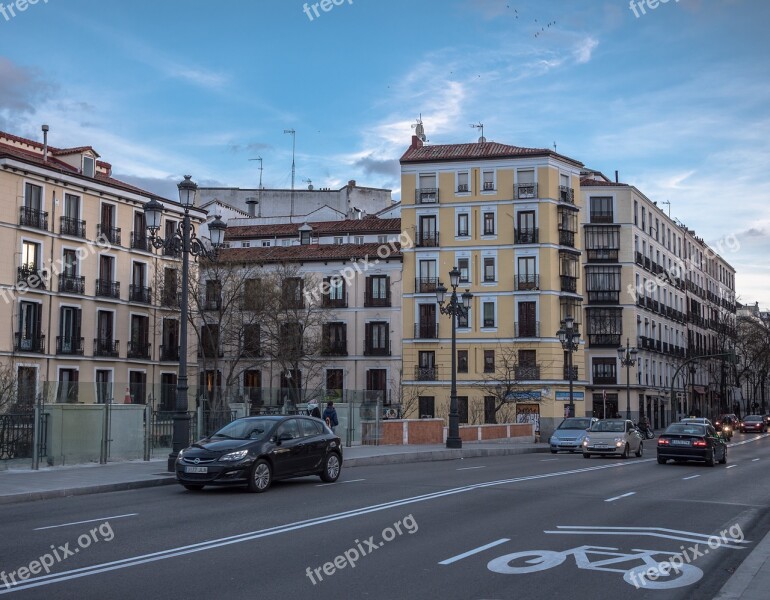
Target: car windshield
575 424
753 418
687 429
245 429
611 426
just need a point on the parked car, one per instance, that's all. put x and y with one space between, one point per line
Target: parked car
570 433
691 441
613 436
727 424
255 451
753 423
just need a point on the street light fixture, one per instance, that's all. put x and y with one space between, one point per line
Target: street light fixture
183 241
627 358
455 307
569 337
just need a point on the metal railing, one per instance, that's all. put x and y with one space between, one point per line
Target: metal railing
31 217
29 343
17 435
139 293
72 284
68 345
111 234
107 289
73 227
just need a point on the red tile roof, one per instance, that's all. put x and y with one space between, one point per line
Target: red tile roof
589 182
369 224
311 253
448 152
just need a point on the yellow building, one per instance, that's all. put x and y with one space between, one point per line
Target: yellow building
90 308
507 218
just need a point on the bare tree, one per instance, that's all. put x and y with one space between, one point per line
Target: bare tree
406 398
9 388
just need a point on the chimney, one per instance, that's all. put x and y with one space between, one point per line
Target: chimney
45 143
352 183
251 202
616 176
416 143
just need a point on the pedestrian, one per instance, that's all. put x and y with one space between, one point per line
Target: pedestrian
330 416
313 410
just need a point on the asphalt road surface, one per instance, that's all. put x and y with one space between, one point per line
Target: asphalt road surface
526 526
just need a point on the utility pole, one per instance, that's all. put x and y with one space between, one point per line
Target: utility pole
293 140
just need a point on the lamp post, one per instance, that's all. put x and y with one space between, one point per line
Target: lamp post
627 358
455 307
569 337
183 241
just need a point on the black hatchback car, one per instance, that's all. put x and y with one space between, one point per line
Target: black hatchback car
257 450
691 441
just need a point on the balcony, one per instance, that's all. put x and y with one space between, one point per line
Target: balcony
647 263
427 239
462 188
522 191
603 297
29 343
73 227
425 285
601 379
172 252
31 217
334 347
568 284
251 350
109 233
426 196
639 259
602 254
526 236
566 373
604 340
169 352
106 347
139 241
209 351
645 343
69 346
566 238
425 373
372 300
601 217
328 302
566 194
526 282
170 298
72 284
138 293
488 186
426 331
31 277
108 289
212 303
527 372
527 330
138 350
379 350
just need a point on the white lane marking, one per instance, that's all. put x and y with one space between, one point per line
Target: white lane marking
548 459
449 561
685 536
759 437
690 477
754 459
253 535
619 497
469 468
88 521
338 482
352 480
731 467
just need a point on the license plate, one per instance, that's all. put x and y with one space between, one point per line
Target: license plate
196 469
602 446
680 442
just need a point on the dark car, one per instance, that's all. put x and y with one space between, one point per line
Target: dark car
257 450
752 423
691 441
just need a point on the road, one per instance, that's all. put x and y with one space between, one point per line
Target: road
527 526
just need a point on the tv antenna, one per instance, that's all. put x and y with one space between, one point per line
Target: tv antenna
259 158
293 140
480 126
669 206
419 130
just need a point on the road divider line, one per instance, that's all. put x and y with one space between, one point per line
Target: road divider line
88 521
661 532
731 466
469 468
619 497
690 477
754 459
449 561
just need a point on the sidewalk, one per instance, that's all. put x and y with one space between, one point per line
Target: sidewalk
24 485
752 579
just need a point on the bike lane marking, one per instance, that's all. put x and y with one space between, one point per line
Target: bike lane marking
619 497
660 532
453 559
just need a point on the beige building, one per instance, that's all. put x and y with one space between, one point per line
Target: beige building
507 218
91 309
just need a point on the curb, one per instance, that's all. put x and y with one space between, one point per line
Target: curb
82 491
743 584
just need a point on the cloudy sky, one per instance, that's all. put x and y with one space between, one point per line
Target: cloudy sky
676 98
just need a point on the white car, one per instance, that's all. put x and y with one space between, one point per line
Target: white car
613 436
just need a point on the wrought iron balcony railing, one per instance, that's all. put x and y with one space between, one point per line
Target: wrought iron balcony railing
31 217
68 345
73 227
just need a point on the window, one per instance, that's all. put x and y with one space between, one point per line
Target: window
292 292
245 244
462 320
88 166
427 407
488 311
334 382
30 255
334 341
462 409
570 307
527 324
265 243
213 299
462 225
359 239
605 327
489 223
525 184
488 178
104 389
525 233
338 240
568 271
69 341
603 284
382 239
33 196
463 265
526 277
644 218
489 361
490 412
137 386
427 280
28 336
602 243
462 361
377 342
526 368
377 291
636 213
67 390
462 182
489 269
427 191
335 292
601 209
252 294
169 349
604 370
251 340
138 345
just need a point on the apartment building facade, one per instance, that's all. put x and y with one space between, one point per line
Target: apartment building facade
91 309
507 218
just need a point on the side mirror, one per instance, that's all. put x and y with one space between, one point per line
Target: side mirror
284 437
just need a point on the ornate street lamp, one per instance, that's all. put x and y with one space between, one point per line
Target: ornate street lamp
627 358
569 337
183 241
455 307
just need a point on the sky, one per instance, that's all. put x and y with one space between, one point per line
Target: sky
672 94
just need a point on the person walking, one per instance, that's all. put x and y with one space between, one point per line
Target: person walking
330 416
313 410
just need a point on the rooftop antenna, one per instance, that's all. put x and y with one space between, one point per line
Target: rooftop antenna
554 145
480 125
293 139
669 206
419 130
309 183
259 158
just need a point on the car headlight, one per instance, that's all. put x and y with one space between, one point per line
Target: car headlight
554 439
180 453
619 441
233 456
586 439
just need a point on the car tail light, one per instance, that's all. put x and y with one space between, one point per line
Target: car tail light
663 442
700 443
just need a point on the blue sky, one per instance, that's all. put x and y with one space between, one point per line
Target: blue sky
675 99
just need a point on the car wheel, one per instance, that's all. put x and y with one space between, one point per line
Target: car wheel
193 487
640 451
724 457
553 451
662 461
260 476
625 452
710 459
586 455
332 468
